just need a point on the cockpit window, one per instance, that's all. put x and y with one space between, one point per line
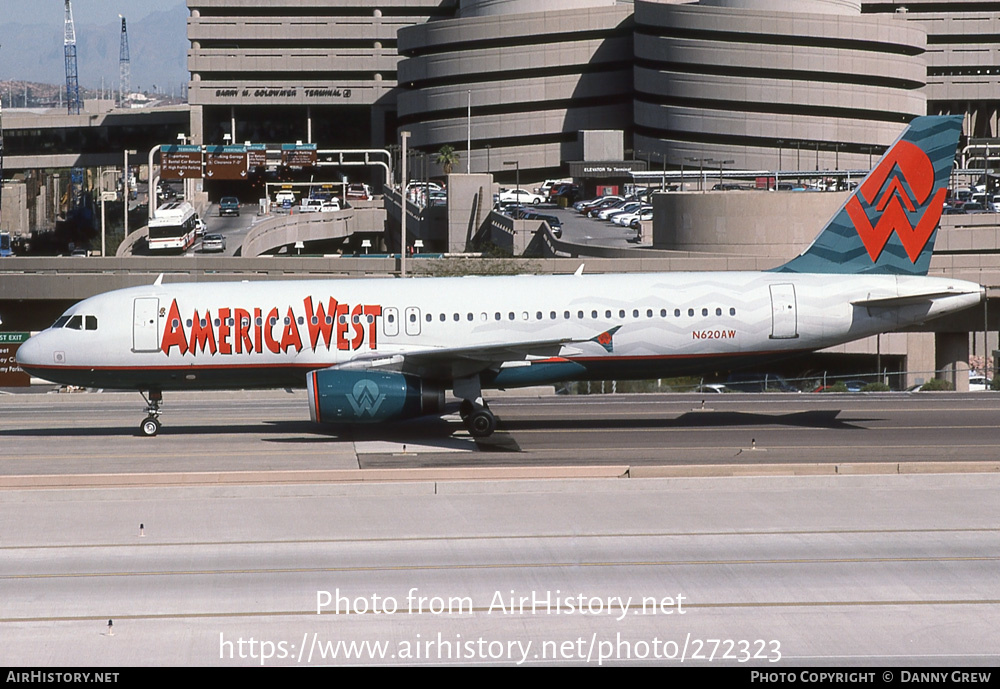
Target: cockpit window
60 322
91 322
75 322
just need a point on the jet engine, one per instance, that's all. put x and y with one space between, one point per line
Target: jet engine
370 396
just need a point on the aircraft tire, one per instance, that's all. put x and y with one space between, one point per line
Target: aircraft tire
482 423
465 409
149 427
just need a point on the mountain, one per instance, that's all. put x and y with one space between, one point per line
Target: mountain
157 50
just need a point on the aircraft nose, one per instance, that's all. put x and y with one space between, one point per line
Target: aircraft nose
30 353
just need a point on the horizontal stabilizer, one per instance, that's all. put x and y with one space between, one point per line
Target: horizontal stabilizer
905 300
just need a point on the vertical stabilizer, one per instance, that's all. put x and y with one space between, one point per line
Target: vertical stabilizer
889 224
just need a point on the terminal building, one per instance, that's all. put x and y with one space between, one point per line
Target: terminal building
759 84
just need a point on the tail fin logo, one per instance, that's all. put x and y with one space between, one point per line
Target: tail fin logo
904 178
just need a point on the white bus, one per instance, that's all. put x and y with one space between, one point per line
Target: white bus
172 227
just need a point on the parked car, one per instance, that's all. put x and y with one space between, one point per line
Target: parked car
570 192
611 213
229 205
586 206
213 242
549 184
520 196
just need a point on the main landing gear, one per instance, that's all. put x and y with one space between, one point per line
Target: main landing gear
150 426
475 413
478 418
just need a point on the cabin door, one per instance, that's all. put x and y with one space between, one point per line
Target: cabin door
145 324
784 317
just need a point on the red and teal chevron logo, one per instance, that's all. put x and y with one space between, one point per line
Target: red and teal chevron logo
884 192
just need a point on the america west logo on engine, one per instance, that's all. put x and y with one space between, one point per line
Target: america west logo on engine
245 331
904 178
366 398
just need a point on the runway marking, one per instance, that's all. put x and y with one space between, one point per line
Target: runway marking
543 537
497 566
486 610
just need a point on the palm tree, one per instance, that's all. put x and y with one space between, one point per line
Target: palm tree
447 158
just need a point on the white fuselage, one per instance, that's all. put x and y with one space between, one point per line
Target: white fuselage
264 334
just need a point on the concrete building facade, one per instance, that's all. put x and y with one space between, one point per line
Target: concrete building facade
774 85
274 71
521 84
800 84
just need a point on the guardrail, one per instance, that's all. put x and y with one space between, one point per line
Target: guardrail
282 230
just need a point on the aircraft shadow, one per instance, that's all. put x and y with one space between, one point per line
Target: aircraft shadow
825 418
167 429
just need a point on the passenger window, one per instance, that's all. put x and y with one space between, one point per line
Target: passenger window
704 312
690 312
732 312
441 318
718 312
621 313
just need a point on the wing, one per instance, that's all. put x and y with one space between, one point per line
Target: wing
460 362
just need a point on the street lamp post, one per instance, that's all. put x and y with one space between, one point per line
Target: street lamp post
720 164
403 136
701 170
125 193
517 175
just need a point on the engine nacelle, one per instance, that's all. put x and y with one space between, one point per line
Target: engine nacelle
370 396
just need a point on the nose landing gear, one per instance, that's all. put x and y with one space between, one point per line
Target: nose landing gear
150 426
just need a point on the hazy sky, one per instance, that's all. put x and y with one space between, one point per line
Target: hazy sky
88 11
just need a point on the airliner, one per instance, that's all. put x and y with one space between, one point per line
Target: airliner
370 351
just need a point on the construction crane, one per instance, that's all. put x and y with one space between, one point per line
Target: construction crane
124 71
69 46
